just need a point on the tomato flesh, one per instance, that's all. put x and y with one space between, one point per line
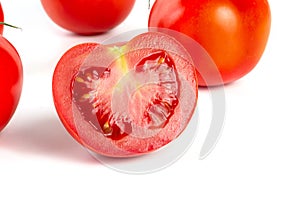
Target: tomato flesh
156 111
125 104
163 88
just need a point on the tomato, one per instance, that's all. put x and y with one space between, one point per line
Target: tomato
88 16
233 32
1 19
126 99
11 80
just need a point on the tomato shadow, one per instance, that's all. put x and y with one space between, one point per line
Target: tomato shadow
44 137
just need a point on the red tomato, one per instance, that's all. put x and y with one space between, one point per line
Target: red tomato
88 16
11 79
234 32
125 100
1 19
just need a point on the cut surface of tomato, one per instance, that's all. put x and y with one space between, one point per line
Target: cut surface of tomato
126 100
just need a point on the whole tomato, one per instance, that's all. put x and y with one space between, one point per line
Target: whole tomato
1 19
234 32
11 80
88 16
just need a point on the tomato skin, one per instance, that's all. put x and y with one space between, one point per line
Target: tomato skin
88 16
11 81
1 19
234 32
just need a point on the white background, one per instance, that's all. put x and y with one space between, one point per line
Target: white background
257 157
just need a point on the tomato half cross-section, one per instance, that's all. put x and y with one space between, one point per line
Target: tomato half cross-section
88 16
11 81
233 32
126 99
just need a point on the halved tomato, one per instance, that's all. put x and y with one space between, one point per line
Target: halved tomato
126 99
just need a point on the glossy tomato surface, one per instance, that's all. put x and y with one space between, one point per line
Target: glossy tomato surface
234 32
11 80
127 99
88 16
1 19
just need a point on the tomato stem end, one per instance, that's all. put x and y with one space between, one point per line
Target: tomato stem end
9 25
